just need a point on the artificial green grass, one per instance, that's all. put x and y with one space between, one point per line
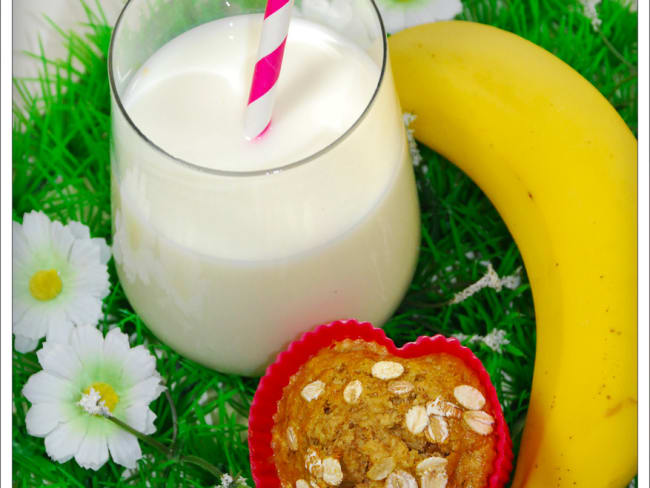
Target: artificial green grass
61 165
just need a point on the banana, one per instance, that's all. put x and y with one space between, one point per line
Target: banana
559 164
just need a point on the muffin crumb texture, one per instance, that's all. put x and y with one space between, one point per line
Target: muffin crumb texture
356 416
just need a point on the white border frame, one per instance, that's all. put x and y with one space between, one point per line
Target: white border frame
5 244
643 219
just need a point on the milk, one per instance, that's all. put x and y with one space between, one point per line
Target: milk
225 247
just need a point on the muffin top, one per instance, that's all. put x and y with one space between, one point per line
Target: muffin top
355 416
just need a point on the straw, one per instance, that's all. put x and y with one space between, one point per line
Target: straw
267 67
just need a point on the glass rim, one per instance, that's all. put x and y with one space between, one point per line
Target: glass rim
269 171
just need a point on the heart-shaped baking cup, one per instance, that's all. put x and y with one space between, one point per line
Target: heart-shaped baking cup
270 389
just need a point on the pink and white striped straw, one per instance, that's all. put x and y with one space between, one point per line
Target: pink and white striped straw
267 67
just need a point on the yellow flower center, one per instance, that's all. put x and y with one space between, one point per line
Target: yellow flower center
107 393
45 284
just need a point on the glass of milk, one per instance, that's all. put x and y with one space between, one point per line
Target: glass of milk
230 249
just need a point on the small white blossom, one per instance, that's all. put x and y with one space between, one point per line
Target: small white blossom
589 9
400 14
463 337
495 339
82 382
489 280
60 278
227 481
416 157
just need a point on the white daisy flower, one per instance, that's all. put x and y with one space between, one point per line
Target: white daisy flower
400 14
83 381
60 277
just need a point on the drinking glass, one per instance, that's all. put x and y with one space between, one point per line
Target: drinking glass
227 267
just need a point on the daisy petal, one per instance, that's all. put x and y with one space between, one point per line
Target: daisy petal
63 442
136 416
20 247
81 231
432 11
59 359
400 14
116 345
104 249
448 9
36 229
43 387
124 448
394 18
414 15
149 427
25 344
59 328
84 252
21 299
43 418
87 343
84 309
93 451
32 324
93 280
140 364
78 230
144 392
62 240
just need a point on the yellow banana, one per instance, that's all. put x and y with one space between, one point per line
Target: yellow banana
559 164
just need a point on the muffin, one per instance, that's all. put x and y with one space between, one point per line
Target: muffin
357 413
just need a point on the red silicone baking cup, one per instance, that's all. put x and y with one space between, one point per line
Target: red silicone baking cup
269 391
